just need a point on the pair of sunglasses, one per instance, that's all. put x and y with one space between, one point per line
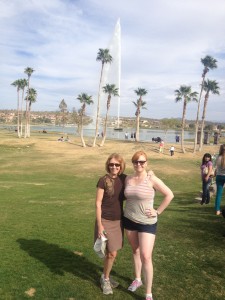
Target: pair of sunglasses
141 162
112 165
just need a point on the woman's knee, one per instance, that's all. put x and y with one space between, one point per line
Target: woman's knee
136 250
112 255
146 258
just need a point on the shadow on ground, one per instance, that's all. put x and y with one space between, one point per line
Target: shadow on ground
60 260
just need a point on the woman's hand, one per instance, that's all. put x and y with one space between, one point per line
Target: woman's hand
101 231
151 212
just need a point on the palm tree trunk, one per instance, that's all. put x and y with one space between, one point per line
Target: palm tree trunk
203 121
81 133
105 127
197 117
18 114
183 125
21 112
137 128
98 108
28 124
26 120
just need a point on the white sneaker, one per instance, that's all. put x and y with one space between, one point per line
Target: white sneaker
114 284
106 287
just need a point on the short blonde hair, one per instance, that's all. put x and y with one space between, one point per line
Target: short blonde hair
119 158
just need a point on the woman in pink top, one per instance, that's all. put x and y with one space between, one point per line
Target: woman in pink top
140 218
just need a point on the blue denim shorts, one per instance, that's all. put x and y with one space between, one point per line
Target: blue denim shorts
130 225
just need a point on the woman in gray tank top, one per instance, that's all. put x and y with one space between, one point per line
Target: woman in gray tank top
140 218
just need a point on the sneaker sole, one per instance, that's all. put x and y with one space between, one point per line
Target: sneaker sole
108 293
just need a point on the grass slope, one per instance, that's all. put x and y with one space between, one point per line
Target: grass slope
47 218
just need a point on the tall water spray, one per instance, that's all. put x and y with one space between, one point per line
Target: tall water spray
112 72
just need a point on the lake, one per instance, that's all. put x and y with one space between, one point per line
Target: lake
146 135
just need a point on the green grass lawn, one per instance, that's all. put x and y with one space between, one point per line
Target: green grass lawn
46 230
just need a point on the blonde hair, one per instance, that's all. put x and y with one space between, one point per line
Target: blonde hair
119 158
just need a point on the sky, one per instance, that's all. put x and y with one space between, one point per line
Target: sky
162 43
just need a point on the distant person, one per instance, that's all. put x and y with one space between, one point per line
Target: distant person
161 147
220 177
61 139
140 218
206 171
126 136
109 209
172 149
131 135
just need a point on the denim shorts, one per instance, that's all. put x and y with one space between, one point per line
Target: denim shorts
130 225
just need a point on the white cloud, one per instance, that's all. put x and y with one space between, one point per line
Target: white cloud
162 45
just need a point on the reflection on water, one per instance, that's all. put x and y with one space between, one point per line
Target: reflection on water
145 134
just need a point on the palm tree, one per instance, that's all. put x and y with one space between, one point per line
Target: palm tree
17 84
29 72
63 110
32 98
105 57
23 86
185 94
139 104
208 63
109 89
84 100
210 86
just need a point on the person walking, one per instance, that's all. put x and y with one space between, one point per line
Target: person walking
172 149
206 175
220 178
140 218
161 146
109 208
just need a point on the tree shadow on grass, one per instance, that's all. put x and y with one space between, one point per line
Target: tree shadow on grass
60 260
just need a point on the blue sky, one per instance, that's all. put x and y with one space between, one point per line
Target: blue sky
162 44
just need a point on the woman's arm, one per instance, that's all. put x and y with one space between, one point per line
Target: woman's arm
159 186
210 167
98 206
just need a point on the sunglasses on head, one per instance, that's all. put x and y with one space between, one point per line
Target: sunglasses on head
112 165
141 162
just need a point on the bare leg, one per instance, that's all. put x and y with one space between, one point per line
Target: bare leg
108 263
146 242
132 237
